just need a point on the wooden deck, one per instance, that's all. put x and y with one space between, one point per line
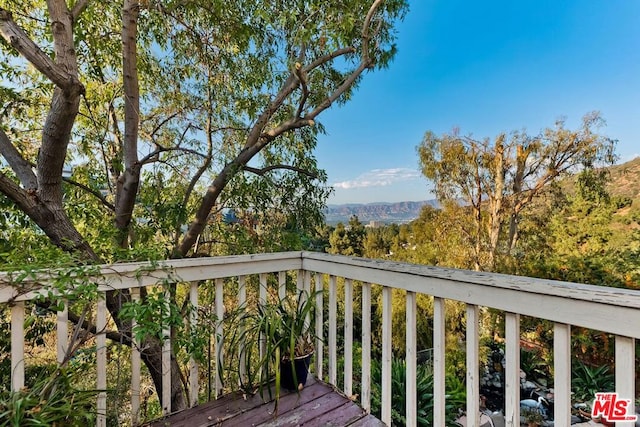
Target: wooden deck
318 404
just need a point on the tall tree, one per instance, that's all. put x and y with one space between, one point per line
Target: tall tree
348 240
193 95
499 179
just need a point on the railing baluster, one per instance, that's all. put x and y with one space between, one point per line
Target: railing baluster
262 299
317 277
512 370
625 371
193 365
282 284
366 347
307 293
17 346
333 327
473 366
386 390
242 302
62 333
301 286
135 364
307 281
348 337
101 361
300 281
411 361
219 334
439 334
263 289
562 373
166 357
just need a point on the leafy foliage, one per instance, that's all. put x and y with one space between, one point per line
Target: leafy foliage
498 180
348 240
50 401
455 399
586 381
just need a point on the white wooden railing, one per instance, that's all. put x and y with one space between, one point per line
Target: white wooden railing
614 311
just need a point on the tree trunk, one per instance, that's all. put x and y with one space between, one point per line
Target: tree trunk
495 201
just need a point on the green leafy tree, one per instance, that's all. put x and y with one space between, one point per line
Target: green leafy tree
167 112
499 179
348 240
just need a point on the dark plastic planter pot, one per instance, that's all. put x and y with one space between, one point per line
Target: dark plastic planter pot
301 366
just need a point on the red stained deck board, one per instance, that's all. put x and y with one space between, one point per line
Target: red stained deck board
317 405
368 421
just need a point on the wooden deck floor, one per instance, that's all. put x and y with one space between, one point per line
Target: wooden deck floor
317 405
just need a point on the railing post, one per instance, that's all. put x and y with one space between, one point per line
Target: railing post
319 324
348 337
366 347
101 360
411 361
562 373
17 346
333 326
135 364
512 370
473 366
625 372
386 390
439 335
193 365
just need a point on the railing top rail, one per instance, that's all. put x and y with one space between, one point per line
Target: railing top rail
609 309
132 274
602 308
609 295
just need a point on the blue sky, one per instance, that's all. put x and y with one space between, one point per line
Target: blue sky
486 68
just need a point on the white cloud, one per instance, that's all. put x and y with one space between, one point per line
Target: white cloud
379 178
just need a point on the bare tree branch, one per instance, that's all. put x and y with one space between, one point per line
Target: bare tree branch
161 123
78 8
21 167
153 156
20 41
305 89
365 63
339 91
366 37
263 171
12 190
93 192
128 183
256 130
326 58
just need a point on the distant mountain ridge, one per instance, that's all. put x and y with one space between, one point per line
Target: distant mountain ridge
625 181
388 213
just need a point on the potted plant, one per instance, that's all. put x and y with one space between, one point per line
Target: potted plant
274 341
294 341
